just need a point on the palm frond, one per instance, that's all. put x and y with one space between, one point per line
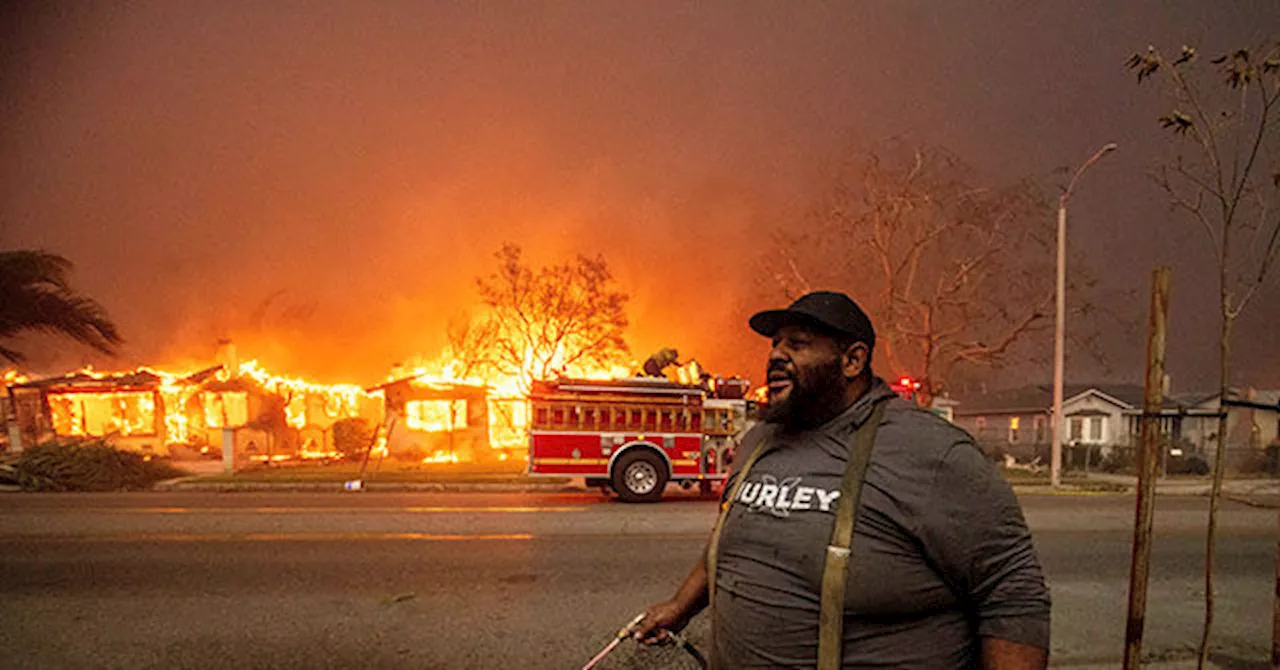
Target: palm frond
35 295
33 267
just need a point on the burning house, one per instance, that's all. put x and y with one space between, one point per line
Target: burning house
259 417
244 415
127 408
435 421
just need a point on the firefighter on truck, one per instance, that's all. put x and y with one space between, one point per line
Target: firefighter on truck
632 436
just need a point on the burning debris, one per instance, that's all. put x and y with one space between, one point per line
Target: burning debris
239 412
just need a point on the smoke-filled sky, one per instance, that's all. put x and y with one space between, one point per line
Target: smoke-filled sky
322 181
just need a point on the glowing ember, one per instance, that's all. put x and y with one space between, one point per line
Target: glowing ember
441 457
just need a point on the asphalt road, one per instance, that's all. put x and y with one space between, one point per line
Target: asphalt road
461 580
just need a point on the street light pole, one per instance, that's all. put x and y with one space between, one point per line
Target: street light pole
1059 326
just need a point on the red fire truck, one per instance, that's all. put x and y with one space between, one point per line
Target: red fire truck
634 435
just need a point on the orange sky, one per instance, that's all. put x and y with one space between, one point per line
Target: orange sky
323 182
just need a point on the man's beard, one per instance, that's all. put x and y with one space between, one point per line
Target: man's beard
817 396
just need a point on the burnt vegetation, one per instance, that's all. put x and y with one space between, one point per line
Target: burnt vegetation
83 465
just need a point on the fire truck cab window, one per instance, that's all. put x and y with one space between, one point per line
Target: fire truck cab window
666 424
651 419
540 418
589 419
557 417
634 423
696 421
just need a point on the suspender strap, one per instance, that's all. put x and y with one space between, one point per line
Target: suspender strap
835 571
752 440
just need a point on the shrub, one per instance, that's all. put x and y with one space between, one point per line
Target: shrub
1119 460
352 437
85 465
1189 464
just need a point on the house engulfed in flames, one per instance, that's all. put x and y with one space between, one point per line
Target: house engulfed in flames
446 423
263 418
129 407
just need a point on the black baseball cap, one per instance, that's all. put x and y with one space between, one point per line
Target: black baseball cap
826 309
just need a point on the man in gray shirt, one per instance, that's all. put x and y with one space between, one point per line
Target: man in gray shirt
942 572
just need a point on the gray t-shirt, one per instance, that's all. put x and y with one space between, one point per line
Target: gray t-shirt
941 554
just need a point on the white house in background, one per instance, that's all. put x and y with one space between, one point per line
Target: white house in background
1016 421
1094 416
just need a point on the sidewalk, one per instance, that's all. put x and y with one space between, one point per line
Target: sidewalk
1188 664
1256 492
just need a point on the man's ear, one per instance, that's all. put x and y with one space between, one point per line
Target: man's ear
854 359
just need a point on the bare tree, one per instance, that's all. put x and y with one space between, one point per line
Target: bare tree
554 319
471 345
1223 177
955 273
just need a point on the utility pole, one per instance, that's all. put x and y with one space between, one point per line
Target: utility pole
1059 325
1148 461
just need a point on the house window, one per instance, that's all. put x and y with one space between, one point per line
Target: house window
99 414
1076 432
1095 429
442 416
1038 425
1014 423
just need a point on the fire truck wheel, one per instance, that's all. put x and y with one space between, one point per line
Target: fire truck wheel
639 476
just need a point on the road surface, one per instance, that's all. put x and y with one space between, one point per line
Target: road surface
459 580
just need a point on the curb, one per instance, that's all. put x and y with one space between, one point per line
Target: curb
1048 491
193 484
1253 502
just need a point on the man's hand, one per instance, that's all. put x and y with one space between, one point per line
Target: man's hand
660 620
671 616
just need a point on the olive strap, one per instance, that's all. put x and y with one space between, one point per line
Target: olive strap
835 571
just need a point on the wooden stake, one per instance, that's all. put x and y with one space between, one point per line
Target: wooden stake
1275 616
1148 461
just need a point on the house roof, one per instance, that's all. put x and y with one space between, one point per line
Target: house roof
1256 398
1024 399
1039 398
420 388
88 382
